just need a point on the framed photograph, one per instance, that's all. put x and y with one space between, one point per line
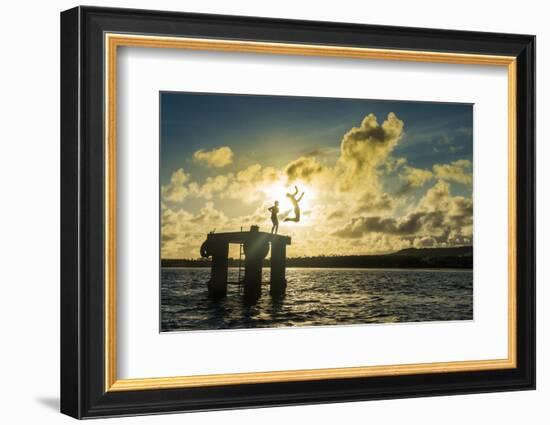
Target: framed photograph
261 212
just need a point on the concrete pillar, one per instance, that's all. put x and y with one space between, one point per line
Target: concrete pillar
255 250
278 268
217 287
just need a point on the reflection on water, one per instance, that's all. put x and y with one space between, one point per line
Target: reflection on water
318 297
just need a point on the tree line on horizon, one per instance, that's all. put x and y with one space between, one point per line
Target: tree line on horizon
455 257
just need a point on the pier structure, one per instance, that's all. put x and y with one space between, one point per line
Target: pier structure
255 246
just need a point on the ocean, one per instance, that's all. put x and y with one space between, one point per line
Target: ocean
318 297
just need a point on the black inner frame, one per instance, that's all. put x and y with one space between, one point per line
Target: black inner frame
82 212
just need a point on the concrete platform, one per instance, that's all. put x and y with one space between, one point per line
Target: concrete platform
256 246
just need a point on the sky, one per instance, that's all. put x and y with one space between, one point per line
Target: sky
378 176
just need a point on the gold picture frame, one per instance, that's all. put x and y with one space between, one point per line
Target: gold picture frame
114 41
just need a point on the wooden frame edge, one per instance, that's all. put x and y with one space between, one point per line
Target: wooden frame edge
110 213
114 40
512 212
306 375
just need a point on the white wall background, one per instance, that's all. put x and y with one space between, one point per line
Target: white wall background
29 214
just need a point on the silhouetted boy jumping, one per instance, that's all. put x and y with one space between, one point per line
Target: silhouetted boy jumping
292 197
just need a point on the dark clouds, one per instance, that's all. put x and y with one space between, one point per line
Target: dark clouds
303 168
440 218
373 202
405 226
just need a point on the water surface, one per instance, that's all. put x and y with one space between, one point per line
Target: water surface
318 297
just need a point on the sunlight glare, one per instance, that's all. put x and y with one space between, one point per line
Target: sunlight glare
278 191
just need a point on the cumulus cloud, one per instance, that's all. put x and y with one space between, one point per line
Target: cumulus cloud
346 208
209 215
439 217
336 214
413 178
365 148
304 169
407 225
424 242
178 233
216 158
257 217
458 171
393 164
437 197
182 232
250 174
211 187
374 202
176 190
249 184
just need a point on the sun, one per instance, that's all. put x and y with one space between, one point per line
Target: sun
307 202
274 192
277 192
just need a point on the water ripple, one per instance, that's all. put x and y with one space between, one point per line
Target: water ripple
318 297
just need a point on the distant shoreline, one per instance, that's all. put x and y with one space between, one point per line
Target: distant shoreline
427 269
411 258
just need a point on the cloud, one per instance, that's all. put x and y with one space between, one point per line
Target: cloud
365 148
413 178
216 158
393 164
304 169
211 187
424 242
249 184
446 219
365 154
457 211
178 234
408 225
250 174
437 197
458 171
346 210
373 202
321 152
257 217
209 215
336 214
457 224
176 190
182 232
